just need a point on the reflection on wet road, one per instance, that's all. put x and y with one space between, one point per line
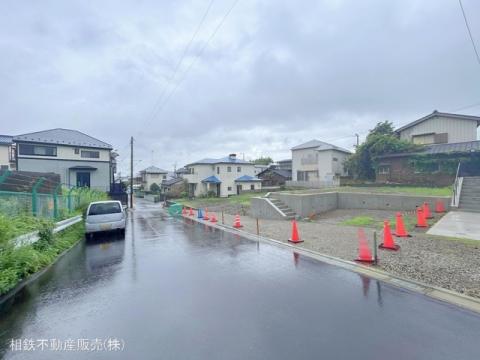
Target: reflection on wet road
173 289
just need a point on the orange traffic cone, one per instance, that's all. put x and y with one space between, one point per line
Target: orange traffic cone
213 218
184 211
190 212
388 242
295 237
439 207
421 221
426 211
364 253
237 223
206 217
400 227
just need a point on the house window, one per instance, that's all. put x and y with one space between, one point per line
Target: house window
423 139
300 175
90 154
164 177
252 187
335 159
218 169
77 151
38 150
229 169
229 188
384 169
239 168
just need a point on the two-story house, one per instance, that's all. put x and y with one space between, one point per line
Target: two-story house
446 140
152 175
317 163
221 177
7 153
440 128
80 160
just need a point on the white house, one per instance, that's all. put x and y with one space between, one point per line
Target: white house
80 160
440 128
224 177
152 175
7 152
318 163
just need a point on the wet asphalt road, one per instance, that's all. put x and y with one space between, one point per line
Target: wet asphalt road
177 290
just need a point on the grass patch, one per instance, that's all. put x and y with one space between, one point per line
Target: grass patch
242 199
13 226
360 221
387 189
16 264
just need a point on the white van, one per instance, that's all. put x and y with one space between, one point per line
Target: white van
105 216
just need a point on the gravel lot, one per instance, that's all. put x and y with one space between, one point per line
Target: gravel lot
448 263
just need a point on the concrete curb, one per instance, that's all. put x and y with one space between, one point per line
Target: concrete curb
437 293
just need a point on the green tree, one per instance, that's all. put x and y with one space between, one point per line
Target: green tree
263 160
154 188
381 140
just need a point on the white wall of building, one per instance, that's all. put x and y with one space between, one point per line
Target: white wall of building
321 165
4 156
221 171
148 179
458 130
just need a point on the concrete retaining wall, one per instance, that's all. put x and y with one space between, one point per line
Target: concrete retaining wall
306 204
262 208
387 201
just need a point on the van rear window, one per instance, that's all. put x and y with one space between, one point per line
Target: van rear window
105 208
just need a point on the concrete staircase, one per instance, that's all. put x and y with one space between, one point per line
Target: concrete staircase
470 194
289 213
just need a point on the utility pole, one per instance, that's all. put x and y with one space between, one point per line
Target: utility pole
358 139
131 172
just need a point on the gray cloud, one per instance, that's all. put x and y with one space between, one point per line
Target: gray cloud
276 74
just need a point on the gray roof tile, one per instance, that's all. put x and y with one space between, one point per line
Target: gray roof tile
320 145
154 170
62 137
6 139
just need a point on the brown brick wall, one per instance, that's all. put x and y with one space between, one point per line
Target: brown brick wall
402 172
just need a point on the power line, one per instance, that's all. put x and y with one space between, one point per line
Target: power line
177 66
196 58
467 107
469 31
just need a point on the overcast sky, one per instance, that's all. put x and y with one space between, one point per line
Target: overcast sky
276 73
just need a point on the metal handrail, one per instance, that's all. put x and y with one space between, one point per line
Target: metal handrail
455 184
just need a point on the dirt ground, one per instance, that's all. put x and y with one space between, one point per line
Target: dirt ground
449 263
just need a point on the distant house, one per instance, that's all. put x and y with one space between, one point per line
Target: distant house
275 177
222 177
285 164
80 160
173 187
440 128
7 152
447 139
152 175
180 172
432 165
318 163
259 168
